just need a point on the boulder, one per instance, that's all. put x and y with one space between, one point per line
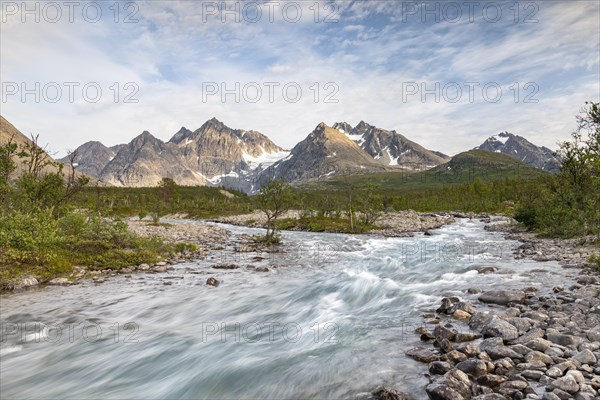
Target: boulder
439 367
502 297
438 391
475 368
59 282
212 282
388 394
497 327
585 357
564 340
566 383
422 354
499 352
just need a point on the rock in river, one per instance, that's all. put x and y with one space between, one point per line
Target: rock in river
502 297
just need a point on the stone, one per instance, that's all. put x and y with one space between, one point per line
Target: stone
422 354
550 396
475 368
489 396
459 381
566 383
26 282
262 269
462 306
454 356
441 332
498 352
389 394
577 375
212 282
487 270
519 348
534 356
447 303
564 340
531 335
226 266
439 367
461 315
59 282
594 334
470 349
466 337
536 315
491 380
444 345
585 357
502 297
497 327
491 342
585 396
143 267
518 385
160 268
532 374
437 391
538 344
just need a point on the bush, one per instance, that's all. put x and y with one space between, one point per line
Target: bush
594 262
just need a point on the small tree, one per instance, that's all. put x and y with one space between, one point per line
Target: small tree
369 204
168 189
274 199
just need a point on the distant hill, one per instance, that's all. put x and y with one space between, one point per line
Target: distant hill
463 168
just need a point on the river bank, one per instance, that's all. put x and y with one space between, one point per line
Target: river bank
526 343
392 224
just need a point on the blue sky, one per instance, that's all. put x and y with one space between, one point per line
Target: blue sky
370 60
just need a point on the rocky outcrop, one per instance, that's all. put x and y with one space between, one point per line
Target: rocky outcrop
145 161
91 158
391 148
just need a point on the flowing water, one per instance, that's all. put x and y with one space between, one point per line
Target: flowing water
331 319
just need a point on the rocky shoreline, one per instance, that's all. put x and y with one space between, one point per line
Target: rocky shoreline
518 344
393 224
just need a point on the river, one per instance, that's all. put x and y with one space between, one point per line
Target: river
331 319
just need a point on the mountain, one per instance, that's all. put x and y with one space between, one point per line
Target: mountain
325 152
91 158
213 155
391 148
523 150
145 161
226 156
8 133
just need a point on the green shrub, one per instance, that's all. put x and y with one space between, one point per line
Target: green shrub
594 262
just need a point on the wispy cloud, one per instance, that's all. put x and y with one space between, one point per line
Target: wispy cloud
367 52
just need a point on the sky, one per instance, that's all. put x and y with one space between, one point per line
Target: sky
444 74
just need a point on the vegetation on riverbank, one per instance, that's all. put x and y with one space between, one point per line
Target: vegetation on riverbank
42 233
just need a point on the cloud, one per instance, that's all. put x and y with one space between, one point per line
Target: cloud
360 61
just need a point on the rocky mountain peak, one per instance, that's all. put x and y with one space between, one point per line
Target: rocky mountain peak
520 148
181 135
343 127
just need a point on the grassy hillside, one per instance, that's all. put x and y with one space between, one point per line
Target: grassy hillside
464 168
